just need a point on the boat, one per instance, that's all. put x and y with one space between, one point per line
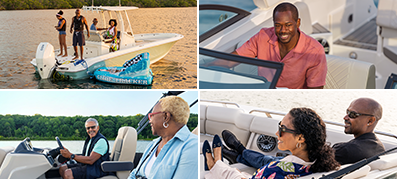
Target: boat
28 161
136 73
256 128
359 39
96 50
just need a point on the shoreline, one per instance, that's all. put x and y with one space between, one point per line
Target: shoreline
1 10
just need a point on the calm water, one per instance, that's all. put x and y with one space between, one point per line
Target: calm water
22 31
72 145
330 105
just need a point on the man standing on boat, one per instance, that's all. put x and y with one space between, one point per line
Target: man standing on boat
95 151
305 64
360 120
78 36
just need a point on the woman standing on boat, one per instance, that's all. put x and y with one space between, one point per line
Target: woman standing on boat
61 27
302 132
111 33
174 153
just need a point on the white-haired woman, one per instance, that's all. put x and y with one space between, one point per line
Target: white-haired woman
174 153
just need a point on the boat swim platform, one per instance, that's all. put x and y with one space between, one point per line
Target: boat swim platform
364 37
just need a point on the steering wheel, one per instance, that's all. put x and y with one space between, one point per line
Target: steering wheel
59 142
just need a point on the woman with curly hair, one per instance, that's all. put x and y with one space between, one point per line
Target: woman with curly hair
302 132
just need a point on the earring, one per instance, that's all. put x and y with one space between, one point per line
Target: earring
298 145
165 126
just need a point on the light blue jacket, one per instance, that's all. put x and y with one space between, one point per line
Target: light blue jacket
177 159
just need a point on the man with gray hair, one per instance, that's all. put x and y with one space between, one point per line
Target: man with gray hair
95 151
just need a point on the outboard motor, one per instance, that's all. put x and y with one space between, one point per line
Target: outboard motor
45 59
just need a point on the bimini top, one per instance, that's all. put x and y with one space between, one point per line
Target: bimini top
109 8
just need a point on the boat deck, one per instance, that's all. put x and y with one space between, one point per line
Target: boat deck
318 29
364 37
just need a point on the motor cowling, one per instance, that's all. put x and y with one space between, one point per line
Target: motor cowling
45 59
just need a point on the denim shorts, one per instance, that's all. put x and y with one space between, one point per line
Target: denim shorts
62 32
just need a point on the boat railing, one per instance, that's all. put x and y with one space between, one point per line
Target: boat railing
221 102
269 115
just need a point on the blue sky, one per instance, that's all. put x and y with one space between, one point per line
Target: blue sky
84 102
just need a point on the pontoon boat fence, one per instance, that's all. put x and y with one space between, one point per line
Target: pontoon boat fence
354 167
145 120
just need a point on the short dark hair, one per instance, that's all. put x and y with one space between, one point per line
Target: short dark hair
114 20
287 7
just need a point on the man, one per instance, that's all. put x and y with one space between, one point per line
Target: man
362 116
95 151
94 23
78 36
305 65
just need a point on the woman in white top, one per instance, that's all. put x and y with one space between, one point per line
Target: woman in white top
111 33
302 132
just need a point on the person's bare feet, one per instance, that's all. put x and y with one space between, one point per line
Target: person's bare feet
59 54
65 55
76 57
210 160
217 153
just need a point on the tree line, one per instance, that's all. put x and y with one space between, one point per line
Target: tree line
38 127
67 4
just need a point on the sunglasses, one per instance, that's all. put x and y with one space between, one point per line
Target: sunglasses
150 115
282 128
90 127
353 114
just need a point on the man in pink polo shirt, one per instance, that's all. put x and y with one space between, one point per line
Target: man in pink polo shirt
305 65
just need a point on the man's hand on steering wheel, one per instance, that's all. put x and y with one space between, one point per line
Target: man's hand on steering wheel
65 153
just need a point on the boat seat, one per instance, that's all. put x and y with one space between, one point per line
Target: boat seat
345 73
95 36
123 153
363 171
384 162
215 121
386 18
3 152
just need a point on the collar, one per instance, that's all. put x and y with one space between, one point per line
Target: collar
300 46
295 159
182 134
369 135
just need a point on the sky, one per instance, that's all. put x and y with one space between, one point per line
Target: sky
84 102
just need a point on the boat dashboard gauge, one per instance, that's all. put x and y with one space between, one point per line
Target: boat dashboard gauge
266 143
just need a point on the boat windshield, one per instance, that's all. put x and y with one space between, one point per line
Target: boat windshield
220 70
214 18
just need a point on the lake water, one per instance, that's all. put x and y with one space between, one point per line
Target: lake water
331 105
23 30
72 145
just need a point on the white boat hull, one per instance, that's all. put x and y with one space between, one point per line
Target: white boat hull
157 45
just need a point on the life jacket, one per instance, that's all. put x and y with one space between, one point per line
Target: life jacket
94 171
64 25
78 23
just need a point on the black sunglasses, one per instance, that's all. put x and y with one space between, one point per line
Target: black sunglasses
353 114
90 127
282 128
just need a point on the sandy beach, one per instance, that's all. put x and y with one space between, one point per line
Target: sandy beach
330 105
25 29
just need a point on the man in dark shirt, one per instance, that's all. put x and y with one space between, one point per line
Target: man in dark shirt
362 116
78 23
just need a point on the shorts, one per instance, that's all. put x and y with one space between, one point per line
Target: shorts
62 32
79 171
78 37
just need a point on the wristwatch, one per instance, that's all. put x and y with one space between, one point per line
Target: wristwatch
72 156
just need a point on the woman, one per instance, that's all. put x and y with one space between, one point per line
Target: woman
62 33
111 33
303 133
174 153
